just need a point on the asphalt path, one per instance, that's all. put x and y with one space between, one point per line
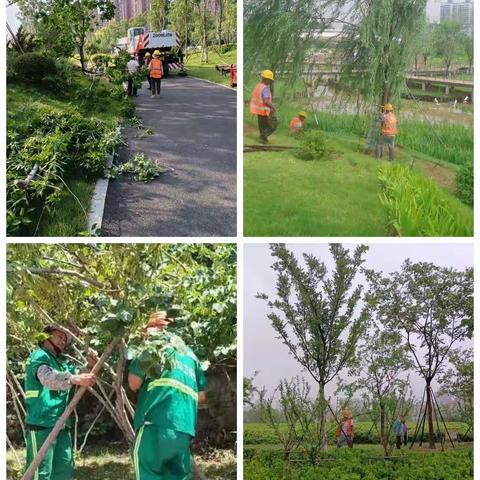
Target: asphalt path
194 125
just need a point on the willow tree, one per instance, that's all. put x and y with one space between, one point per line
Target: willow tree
315 314
378 49
432 308
278 34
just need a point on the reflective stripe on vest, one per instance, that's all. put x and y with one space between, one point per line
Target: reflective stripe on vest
257 107
31 394
170 382
157 68
389 125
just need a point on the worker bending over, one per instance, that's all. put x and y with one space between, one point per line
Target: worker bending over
389 132
166 414
262 106
297 123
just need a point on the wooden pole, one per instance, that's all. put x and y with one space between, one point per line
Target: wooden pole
63 418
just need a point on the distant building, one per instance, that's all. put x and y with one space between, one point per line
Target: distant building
126 9
461 12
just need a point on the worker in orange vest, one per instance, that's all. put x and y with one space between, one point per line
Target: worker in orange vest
262 106
345 430
389 132
296 123
156 73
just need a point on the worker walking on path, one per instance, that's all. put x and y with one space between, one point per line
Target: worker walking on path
147 60
48 382
389 132
132 68
166 413
297 123
262 106
345 430
156 73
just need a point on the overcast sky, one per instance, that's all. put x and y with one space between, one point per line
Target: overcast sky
433 13
267 354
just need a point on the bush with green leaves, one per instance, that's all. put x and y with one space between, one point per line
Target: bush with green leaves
313 145
33 67
60 145
464 181
141 168
417 206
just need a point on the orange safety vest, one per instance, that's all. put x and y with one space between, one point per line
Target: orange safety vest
389 126
156 68
295 124
257 107
349 431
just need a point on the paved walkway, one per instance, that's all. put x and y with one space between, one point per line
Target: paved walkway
194 125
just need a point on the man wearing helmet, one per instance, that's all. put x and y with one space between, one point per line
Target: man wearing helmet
48 382
166 411
389 132
297 123
345 430
262 106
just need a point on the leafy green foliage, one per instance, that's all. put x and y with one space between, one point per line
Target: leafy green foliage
32 67
464 180
141 168
358 465
416 206
117 286
62 144
314 145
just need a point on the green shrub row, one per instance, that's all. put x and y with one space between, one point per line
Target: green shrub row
354 464
418 207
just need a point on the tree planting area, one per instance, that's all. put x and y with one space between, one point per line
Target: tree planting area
363 340
326 181
103 295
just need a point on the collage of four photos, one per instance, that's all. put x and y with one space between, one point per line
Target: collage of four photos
205 273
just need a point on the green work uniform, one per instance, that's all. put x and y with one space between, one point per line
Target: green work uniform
166 417
44 407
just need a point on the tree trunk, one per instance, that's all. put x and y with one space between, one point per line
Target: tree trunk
416 64
429 408
323 423
382 427
204 32
63 418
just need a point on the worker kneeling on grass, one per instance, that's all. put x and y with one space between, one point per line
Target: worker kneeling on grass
389 132
296 123
345 430
262 106
48 382
156 73
166 414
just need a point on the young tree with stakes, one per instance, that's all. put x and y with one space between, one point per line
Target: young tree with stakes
432 308
315 313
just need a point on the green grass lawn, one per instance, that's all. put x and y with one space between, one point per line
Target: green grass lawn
196 68
338 196
113 462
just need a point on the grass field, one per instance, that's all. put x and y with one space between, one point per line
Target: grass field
113 462
207 71
339 196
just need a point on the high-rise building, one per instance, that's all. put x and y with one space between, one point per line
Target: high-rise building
126 9
461 12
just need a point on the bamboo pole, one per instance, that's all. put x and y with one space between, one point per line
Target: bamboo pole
63 418
10 446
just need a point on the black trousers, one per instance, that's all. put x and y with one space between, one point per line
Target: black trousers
149 80
399 441
156 85
131 89
266 126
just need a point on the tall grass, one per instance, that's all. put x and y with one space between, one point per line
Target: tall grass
417 207
447 142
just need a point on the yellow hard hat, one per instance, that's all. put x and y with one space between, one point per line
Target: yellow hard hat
156 52
148 54
388 107
303 114
346 413
268 74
